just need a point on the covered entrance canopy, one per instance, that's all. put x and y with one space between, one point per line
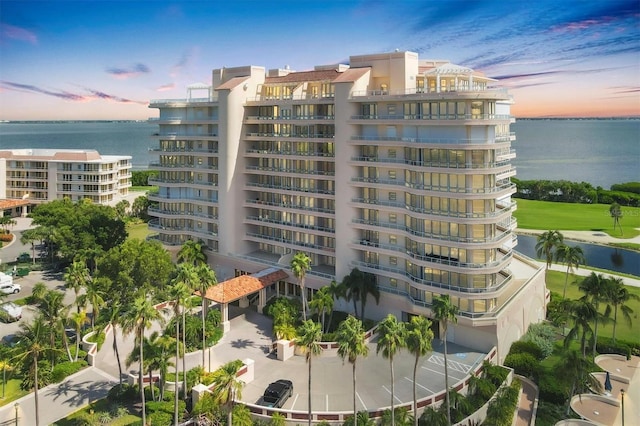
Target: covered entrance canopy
239 288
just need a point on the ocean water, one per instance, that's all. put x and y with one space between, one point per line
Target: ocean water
601 152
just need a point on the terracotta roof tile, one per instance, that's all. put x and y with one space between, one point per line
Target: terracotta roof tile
244 285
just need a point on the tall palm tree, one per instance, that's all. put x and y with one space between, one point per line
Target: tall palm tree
206 279
616 213
309 337
337 291
137 319
573 256
359 285
32 347
227 386
188 276
445 312
115 311
54 314
418 341
575 369
546 245
300 265
192 252
94 295
78 319
351 345
618 296
76 278
391 338
581 313
321 302
596 289
179 293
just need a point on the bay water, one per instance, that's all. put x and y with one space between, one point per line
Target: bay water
598 151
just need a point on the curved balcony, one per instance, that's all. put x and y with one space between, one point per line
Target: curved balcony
288 206
505 275
163 198
468 168
281 188
493 266
278 136
279 224
467 242
158 212
302 172
498 142
259 153
496 191
181 230
319 249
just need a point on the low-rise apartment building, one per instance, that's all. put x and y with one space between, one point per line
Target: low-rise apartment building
42 175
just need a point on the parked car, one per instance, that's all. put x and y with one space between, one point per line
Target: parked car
10 288
10 312
10 340
277 393
24 257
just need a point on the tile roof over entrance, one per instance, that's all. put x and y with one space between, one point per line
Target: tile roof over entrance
10 204
244 285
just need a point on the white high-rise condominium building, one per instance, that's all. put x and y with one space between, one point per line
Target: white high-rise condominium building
395 165
42 175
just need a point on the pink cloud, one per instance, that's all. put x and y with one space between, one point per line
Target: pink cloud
166 87
134 71
12 32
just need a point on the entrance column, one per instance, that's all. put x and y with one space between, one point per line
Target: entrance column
226 325
262 299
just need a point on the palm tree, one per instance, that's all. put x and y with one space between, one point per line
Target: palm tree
547 243
573 256
137 319
445 312
188 276
179 293
309 337
192 252
391 338
206 279
351 345
95 296
54 314
337 291
401 417
322 301
575 369
616 213
418 341
618 296
227 386
32 347
76 278
115 312
79 319
359 285
596 289
300 265
581 313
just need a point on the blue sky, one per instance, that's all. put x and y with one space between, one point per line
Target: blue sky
107 59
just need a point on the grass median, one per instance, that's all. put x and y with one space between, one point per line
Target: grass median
548 215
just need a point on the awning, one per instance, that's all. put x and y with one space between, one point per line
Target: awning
244 285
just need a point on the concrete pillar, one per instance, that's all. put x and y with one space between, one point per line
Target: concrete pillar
262 299
226 325
285 350
250 374
197 392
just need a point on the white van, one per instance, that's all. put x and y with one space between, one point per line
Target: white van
10 312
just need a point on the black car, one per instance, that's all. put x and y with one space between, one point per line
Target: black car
277 393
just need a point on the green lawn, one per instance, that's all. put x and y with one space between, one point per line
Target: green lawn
12 391
555 283
138 231
575 217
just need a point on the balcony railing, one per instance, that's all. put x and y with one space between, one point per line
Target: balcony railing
174 213
294 117
485 190
182 101
434 164
291 188
457 239
291 242
292 171
433 117
290 135
266 219
482 93
280 152
436 212
260 204
442 141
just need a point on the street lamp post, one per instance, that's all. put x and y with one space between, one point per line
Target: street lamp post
16 406
622 393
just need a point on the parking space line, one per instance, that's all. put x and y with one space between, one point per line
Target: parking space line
419 385
294 401
435 371
364 407
394 396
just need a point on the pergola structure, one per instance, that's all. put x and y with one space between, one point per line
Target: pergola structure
240 288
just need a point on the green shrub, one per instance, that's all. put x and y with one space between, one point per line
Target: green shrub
124 394
621 347
160 418
501 409
543 335
524 364
97 338
552 389
65 369
526 347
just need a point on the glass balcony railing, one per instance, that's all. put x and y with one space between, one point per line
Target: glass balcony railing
435 141
483 117
487 190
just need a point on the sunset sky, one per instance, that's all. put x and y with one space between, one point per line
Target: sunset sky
106 59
